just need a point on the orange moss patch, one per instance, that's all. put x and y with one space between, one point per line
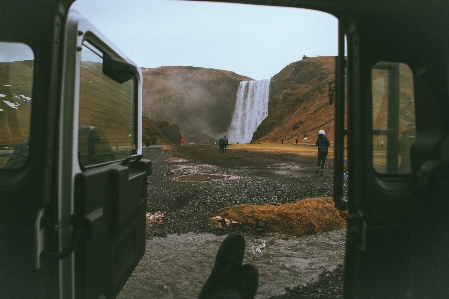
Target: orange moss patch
307 216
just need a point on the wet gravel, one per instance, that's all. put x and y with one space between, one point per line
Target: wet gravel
328 286
180 190
248 178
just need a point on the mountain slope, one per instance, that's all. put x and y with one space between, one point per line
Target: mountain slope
201 101
160 132
299 105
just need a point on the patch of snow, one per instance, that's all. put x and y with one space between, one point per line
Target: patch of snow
12 105
25 97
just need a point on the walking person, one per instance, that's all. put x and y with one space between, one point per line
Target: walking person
221 144
147 144
225 144
323 144
92 139
182 141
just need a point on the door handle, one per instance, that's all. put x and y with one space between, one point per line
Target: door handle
130 158
81 231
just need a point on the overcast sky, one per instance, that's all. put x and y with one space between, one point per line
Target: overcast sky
249 40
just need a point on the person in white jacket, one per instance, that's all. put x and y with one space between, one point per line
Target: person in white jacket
323 144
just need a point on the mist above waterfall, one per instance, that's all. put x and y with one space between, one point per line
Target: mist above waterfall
251 109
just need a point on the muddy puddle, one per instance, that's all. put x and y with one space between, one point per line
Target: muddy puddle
178 265
205 177
199 173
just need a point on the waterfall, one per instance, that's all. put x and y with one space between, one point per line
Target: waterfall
251 108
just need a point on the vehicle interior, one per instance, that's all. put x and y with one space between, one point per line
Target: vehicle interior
73 186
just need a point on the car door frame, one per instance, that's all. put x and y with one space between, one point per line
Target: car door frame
77 29
381 256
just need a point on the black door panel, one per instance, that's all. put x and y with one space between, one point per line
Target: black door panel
112 201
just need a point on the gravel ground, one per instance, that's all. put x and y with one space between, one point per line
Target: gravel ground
188 184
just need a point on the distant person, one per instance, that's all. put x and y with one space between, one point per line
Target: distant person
92 139
282 140
323 144
182 141
221 143
296 141
147 144
225 144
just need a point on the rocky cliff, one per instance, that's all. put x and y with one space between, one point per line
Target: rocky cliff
298 106
201 101
160 132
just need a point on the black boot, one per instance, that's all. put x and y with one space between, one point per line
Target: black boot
230 279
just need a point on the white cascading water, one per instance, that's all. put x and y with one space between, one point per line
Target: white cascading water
251 108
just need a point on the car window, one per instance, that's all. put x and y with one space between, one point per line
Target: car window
393 117
16 84
106 110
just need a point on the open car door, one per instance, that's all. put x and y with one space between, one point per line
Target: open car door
105 174
72 177
396 89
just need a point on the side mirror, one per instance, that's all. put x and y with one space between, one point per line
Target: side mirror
118 70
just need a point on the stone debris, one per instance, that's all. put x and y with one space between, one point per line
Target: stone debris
219 222
155 217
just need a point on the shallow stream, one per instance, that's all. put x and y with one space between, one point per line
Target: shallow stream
176 267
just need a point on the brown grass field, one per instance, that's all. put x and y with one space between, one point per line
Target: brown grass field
303 149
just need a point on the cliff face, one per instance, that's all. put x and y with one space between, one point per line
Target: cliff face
160 132
201 101
299 104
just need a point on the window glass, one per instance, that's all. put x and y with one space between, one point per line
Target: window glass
393 117
105 112
16 84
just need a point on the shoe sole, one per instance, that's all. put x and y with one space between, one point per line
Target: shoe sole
229 259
